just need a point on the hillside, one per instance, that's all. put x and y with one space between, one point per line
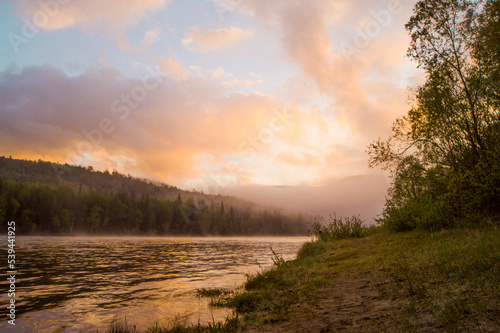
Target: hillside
82 178
45 197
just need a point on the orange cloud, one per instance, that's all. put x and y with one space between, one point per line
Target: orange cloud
204 40
304 160
337 103
151 36
102 118
311 33
173 68
361 87
88 15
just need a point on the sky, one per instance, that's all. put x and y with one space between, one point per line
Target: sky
215 95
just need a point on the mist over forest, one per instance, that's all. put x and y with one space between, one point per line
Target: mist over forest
50 198
356 195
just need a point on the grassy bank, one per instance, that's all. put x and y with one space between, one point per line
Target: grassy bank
445 281
417 281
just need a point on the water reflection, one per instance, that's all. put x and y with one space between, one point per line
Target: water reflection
73 284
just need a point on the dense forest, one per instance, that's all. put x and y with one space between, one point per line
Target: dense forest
444 155
49 198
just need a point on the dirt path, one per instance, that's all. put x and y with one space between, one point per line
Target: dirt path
361 296
352 303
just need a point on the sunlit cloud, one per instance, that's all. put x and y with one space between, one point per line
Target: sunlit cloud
173 68
88 15
204 40
161 132
255 92
226 79
151 36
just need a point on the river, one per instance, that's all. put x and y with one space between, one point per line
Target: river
72 284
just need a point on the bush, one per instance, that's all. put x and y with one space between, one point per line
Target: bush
425 213
338 228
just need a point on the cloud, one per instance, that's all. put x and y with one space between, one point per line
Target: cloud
351 57
346 49
174 69
340 100
89 15
204 40
226 79
151 36
204 126
102 116
166 125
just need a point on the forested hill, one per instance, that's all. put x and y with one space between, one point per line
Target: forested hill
79 178
51 198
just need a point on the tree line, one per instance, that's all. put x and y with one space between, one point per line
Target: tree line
444 155
80 177
50 198
43 209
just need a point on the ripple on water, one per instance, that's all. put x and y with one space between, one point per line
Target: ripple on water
71 284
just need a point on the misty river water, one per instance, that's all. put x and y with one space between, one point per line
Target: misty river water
72 284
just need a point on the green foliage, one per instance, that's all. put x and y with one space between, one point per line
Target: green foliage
216 292
45 197
231 324
451 276
312 250
425 212
278 260
246 302
45 209
338 228
444 154
446 280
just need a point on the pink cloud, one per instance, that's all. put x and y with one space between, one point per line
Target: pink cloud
87 15
339 103
151 36
204 40
313 35
102 116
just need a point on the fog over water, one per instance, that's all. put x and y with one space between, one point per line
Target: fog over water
363 195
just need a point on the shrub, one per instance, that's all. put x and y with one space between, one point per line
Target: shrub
338 228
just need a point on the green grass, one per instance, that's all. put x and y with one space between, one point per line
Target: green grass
269 296
214 292
449 280
452 276
231 324
339 228
218 296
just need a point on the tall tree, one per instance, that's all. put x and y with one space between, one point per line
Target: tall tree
444 153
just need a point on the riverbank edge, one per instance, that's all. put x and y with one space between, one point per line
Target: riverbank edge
392 282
